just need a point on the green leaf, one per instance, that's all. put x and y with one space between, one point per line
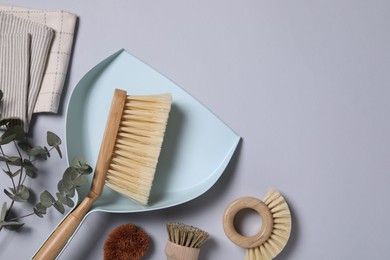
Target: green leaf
15 160
70 202
81 165
3 211
64 199
58 205
52 139
80 181
58 150
71 192
13 225
47 151
23 192
7 139
12 175
29 167
78 161
16 173
46 199
38 151
3 159
13 133
25 146
69 175
9 194
11 121
40 210
61 187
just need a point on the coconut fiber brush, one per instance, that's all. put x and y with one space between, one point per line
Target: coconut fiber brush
126 162
184 241
275 229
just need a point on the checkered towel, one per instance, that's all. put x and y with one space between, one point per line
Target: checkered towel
63 24
41 38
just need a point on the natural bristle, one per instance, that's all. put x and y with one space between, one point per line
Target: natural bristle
138 145
185 235
281 228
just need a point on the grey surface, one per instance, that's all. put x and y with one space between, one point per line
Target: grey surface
306 85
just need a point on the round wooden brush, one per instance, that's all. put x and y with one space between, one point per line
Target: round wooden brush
275 229
126 162
184 241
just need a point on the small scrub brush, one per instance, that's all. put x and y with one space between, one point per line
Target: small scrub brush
184 241
275 229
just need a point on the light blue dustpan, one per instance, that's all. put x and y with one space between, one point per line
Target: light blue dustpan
197 145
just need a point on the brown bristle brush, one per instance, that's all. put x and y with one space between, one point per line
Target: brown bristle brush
126 162
184 241
126 242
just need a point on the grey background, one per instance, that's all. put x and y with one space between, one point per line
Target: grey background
304 83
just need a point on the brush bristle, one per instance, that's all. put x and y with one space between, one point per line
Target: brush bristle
281 228
138 144
185 235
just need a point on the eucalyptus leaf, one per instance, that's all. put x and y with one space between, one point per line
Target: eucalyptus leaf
23 192
52 139
61 187
38 151
25 146
20 194
70 202
71 192
64 199
12 175
80 181
3 211
69 175
47 151
15 161
38 213
58 206
7 139
58 150
46 199
11 224
40 210
3 159
9 194
78 161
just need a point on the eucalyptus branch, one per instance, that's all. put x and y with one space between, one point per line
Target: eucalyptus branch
22 165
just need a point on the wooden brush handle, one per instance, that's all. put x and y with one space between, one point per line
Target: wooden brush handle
60 237
177 252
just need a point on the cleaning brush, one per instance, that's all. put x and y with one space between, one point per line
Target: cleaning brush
275 229
126 162
184 241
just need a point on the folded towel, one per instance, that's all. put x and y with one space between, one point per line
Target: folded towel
41 38
14 74
63 24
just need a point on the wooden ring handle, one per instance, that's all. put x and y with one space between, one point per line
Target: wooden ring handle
248 203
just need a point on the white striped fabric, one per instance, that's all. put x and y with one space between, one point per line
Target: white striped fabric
14 74
41 38
64 24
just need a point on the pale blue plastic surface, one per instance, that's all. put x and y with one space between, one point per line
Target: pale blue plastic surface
197 145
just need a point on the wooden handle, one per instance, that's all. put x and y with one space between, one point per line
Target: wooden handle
248 203
60 237
177 252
